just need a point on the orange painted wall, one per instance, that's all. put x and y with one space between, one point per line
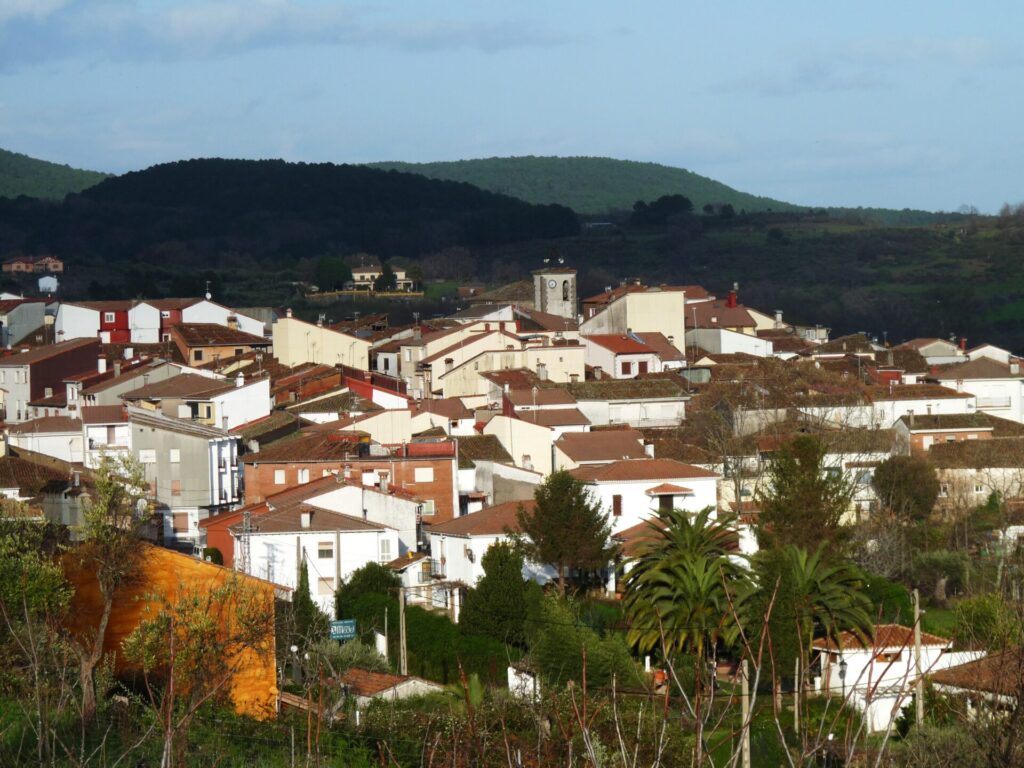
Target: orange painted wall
164 572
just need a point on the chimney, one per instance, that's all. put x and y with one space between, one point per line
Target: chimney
117 368
76 478
101 364
910 413
597 372
240 380
649 450
384 482
320 320
574 378
778 318
417 333
224 422
1015 367
305 518
963 343
288 312
730 301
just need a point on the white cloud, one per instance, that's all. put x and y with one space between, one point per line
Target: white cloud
28 9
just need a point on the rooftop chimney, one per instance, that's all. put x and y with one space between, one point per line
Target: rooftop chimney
117 368
597 372
778 318
305 518
1015 368
542 371
730 301
963 343
649 450
910 413
233 322
101 364
240 379
288 312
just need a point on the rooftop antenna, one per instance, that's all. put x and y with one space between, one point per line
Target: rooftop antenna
208 294
561 260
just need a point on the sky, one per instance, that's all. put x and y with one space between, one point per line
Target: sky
890 104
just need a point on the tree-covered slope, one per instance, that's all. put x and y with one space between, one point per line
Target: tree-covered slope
24 175
592 185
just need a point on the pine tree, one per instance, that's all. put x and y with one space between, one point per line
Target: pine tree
496 607
566 529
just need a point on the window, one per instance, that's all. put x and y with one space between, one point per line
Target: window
166 337
385 551
325 585
175 454
197 355
887 658
387 363
147 456
302 476
423 474
108 317
978 488
205 411
238 351
427 508
175 487
278 477
642 366
565 290
943 489
165 314
626 368
617 505
408 354
325 550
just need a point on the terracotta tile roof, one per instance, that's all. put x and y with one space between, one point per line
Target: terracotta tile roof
607 297
308 447
620 344
362 682
475 448
57 400
640 469
449 407
215 335
667 489
46 352
606 445
30 472
716 314
1001 673
516 378
289 520
920 343
491 521
997 452
171 304
631 539
535 320
661 346
275 420
554 417
979 368
47 424
885 636
185 385
852 343
104 414
342 402
549 395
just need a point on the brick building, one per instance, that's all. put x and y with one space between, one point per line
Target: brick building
426 470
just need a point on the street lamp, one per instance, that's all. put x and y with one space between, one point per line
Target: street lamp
842 675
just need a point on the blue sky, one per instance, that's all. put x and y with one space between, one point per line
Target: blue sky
908 104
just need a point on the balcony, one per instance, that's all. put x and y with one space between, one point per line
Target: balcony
438 568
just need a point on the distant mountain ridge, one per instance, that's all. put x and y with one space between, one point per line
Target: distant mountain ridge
589 185
24 175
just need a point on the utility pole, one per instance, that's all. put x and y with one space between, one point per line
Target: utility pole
403 657
745 712
387 651
919 686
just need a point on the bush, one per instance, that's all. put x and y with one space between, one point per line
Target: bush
890 599
213 555
371 579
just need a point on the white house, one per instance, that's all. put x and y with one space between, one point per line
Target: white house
998 386
878 677
57 436
219 402
636 402
106 432
331 545
622 356
19 318
634 490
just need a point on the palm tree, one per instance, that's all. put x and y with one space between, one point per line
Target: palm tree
684 592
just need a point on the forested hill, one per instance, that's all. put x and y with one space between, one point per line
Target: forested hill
593 185
24 175
273 212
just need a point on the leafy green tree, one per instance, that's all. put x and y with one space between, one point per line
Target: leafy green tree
803 500
496 606
310 621
332 273
907 487
890 600
371 579
566 528
938 571
386 280
987 621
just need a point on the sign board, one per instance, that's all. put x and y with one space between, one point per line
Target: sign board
343 630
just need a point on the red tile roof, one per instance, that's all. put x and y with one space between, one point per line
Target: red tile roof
103 414
1001 673
620 344
611 445
666 489
885 636
183 385
289 520
640 469
215 335
46 352
716 314
362 682
46 424
543 396
554 417
491 521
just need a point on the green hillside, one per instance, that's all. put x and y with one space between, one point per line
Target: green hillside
591 185
24 175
